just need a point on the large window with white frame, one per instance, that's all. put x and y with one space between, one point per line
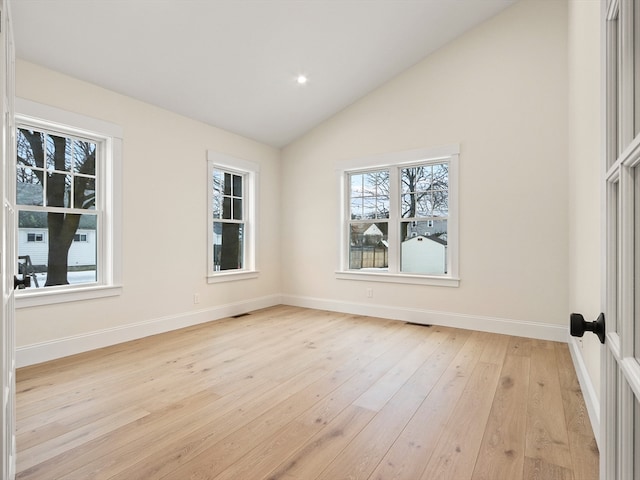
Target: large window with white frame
400 217
68 205
231 217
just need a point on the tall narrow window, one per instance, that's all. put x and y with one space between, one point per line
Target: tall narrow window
56 191
228 220
232 193
67 200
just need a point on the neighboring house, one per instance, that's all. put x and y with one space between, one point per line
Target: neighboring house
369 248
427 228
33 241
373 236
424 254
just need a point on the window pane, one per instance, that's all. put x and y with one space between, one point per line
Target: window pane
226 208
357 187
440 200
369 208
84 157
237 209
357 206
59 153
382 207
417 205
28 187
58 190
440 178
370 183
84 192
368 246
424 247
217 204
228 246
27 141
41 233
237 186
227 184
218 181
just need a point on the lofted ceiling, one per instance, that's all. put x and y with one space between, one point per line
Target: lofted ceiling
234 63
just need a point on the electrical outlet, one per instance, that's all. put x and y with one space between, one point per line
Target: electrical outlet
369 292
196 298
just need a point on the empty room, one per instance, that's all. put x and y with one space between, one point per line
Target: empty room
317 239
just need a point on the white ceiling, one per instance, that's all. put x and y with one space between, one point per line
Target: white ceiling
233 63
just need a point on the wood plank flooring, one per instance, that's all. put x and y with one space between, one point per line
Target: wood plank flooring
289 393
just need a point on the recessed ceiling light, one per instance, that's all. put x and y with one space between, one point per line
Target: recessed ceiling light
302 79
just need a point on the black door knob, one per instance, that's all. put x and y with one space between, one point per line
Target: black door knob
579 326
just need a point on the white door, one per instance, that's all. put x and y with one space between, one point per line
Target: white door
7 256
620 414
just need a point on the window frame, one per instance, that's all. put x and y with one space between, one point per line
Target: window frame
109 254
396 161
250 172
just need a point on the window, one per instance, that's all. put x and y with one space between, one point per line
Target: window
231 217
67 177
400 218
35 237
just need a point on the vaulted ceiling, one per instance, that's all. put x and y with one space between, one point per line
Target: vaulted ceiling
234 64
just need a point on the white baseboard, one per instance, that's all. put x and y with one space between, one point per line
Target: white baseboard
542 331
589 393
45 351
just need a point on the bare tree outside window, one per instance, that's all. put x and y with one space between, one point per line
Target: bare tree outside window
228 225
419 213
56 177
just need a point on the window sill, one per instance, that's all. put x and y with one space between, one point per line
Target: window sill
399 278
53 295
232 276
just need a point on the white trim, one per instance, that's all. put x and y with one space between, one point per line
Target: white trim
505 326
231 276
228 161
398 158
109 282
398 278
44 115
393 161
251 174
588 390
66 293
45 351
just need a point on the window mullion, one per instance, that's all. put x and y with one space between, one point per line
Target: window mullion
394 220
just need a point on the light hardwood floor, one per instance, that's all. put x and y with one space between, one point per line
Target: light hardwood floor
290 393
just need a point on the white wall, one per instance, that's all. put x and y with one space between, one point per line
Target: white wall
585 148
164 222
500 91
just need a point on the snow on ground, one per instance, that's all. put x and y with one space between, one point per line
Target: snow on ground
88 276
